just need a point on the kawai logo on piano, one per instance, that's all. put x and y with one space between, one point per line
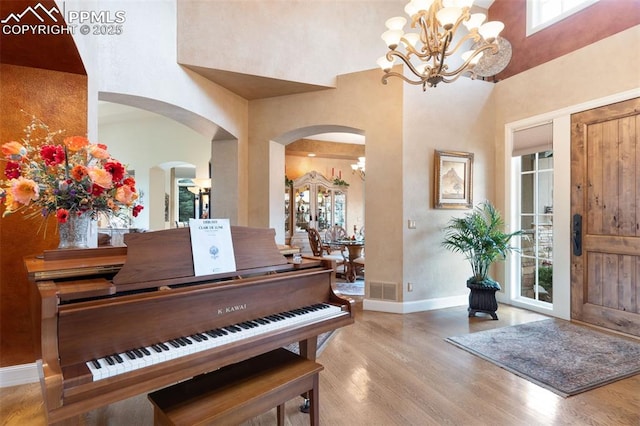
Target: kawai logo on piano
230 309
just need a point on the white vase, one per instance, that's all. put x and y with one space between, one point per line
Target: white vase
75 231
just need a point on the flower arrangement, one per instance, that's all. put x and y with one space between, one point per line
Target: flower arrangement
73 177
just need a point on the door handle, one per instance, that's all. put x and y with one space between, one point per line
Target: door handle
576 234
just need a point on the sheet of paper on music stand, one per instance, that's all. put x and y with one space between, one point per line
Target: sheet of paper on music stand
212 246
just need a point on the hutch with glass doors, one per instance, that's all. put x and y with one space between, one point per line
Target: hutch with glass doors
313 201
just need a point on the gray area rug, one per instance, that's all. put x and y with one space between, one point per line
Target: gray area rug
323 340
355 288
560 356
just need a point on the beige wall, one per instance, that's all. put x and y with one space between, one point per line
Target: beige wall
266 38
359 102
450 117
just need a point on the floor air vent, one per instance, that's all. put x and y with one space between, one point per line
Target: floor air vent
383 291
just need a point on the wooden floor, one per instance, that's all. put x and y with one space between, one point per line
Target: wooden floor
390 369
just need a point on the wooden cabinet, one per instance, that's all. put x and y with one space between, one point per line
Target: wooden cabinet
314 202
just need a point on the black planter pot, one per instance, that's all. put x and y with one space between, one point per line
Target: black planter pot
482 297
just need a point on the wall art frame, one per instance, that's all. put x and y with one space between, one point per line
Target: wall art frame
453 183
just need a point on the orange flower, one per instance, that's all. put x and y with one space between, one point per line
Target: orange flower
13 150
76 143
125 195
100 177
24 190
78 172
10 203
98 150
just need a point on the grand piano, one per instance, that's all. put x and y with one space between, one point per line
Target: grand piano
122 321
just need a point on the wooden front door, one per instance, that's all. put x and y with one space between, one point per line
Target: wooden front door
605 198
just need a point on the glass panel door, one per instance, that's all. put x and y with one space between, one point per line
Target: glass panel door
340 208
536 219
303 208
324 208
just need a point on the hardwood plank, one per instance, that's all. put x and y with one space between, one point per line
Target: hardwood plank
389 369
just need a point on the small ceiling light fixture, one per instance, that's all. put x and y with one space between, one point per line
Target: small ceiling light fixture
426 51
359 167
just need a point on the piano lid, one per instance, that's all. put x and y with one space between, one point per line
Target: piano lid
166 255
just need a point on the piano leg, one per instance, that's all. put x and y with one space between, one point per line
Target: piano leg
308 349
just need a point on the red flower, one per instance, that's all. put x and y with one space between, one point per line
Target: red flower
116 169
96 190
130 182
12 170
52 154
136 210
62 215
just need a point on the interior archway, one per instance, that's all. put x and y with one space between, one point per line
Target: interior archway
155 138
332 164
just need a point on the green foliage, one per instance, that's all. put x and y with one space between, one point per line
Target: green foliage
340 182
480 237
545 277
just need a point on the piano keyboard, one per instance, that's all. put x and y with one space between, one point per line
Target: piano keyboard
119 363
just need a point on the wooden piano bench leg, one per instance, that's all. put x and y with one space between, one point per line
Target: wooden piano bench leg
239 392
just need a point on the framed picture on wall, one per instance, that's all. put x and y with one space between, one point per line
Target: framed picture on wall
453 180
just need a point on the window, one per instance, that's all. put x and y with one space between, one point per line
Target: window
533 166
543 13
186 200
536 220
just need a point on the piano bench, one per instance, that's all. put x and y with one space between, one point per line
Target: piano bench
239 392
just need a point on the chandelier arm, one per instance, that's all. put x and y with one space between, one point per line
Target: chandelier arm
475 37
405 60
413 51
443 54
401 76
466 63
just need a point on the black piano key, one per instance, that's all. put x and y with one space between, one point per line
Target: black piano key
145 351
196 338
138 353
163 346
118 358
156 348
130 354
95 363
174 343
109 360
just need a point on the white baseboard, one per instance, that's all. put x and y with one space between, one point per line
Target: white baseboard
14 375
414 306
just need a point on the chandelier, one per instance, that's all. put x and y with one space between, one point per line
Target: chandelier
426 52
359 167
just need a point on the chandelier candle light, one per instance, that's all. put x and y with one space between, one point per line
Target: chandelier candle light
425 52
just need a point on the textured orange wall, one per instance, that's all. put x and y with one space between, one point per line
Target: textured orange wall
60 100
594 23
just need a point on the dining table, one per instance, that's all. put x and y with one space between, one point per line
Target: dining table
355 248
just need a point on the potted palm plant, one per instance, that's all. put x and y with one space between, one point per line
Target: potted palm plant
480 236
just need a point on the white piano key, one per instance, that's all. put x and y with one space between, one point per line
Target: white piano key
273 322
